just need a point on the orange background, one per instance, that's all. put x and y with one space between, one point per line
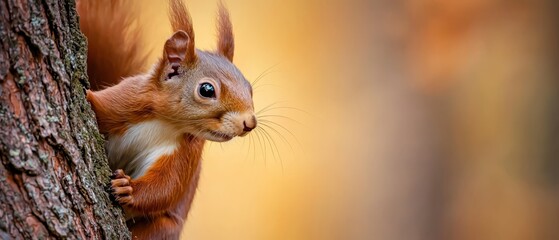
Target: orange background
412 119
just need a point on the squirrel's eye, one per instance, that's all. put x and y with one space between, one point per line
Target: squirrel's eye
207 90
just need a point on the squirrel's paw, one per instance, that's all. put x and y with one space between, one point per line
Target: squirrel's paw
121 188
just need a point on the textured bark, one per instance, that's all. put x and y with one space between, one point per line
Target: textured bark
53 167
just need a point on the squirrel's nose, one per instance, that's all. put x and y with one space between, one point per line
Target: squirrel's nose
250 124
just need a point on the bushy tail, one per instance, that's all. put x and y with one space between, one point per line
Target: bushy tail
115 46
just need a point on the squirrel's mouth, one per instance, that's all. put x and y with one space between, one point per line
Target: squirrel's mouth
218 136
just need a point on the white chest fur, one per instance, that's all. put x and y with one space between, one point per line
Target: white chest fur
140 146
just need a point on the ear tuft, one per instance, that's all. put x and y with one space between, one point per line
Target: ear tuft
225 42
184 32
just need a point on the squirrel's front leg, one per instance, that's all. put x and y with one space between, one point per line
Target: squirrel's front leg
159 189
142 196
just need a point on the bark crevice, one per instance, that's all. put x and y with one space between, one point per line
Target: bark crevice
53 166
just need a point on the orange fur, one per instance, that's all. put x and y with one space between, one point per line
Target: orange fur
126 103
173 187
158 199
225 39
181 21
111 30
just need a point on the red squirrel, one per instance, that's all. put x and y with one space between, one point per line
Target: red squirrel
156 122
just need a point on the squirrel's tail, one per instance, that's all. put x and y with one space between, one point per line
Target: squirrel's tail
115 45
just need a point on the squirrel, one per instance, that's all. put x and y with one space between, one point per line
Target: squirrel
156 122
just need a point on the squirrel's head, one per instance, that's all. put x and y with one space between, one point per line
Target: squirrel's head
207 95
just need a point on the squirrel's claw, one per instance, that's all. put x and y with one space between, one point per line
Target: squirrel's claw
121 187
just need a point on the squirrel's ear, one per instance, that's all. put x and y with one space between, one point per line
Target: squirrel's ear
179 49
225 42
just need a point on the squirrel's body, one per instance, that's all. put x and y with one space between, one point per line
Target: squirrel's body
156 123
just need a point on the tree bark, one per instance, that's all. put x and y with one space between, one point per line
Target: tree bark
54 170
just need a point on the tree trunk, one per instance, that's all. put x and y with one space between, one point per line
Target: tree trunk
54 168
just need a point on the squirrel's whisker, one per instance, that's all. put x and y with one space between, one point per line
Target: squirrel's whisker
263 85
272 141
279 116
289 108
267 107
249 145
284 139
266 141
254 151
263 74
263 121
262 147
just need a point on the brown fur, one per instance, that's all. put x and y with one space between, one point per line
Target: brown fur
159 200
181 21
225 42
131 101
117 36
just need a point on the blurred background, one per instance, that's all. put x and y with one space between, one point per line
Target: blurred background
396 120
